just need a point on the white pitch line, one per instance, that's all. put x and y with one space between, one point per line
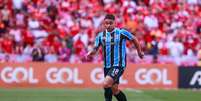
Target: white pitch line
134 90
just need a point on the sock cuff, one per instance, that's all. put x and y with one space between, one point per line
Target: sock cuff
109 88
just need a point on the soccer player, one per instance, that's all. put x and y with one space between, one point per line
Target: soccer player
113 42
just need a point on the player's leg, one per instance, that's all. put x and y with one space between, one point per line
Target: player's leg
112 76
107 84
120 96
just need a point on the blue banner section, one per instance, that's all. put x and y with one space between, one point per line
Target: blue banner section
190 77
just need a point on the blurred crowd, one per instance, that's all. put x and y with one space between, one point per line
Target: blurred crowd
64 30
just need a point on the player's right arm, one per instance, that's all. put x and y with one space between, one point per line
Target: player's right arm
96 46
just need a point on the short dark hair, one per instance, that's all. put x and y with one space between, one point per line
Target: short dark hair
110 16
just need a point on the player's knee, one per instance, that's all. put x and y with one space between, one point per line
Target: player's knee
106 84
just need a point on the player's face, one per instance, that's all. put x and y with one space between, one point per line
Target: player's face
109 24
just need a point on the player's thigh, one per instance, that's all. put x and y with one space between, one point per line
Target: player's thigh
108 82
112 76
115 73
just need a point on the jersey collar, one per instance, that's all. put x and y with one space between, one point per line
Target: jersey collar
112 31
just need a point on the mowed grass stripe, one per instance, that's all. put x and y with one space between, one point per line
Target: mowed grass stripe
95 95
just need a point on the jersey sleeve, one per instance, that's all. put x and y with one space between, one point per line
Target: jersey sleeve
97 41
127 34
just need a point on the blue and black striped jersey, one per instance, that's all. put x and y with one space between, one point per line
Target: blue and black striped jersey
113 46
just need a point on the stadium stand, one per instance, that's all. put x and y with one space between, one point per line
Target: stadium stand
64 30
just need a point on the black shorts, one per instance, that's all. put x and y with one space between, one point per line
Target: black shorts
114 72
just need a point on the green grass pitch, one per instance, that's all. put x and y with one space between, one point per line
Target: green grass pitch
95 95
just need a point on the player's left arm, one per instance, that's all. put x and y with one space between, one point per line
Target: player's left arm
138 47
135 41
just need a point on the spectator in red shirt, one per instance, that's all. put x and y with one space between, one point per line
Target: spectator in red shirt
78 46
8 44
56 44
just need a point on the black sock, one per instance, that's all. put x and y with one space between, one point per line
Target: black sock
108 94
121 96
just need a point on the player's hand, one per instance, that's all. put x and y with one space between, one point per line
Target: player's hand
141 55
89 55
